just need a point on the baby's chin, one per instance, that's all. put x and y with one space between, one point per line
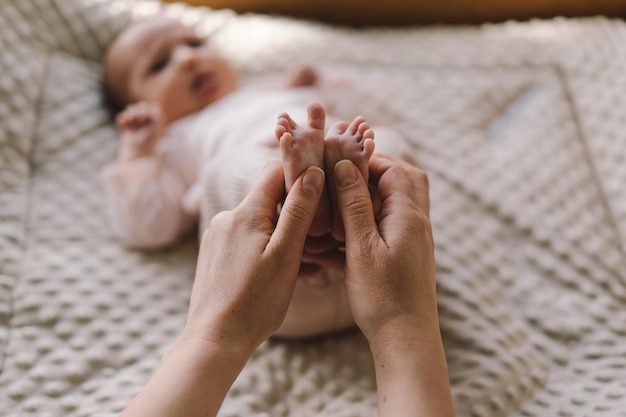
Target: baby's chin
319 306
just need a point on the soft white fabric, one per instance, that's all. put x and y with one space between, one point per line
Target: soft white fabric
146 194
519 125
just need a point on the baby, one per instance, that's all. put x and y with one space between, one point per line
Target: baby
186 122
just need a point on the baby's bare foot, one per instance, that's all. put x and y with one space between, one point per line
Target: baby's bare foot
302 147
354 141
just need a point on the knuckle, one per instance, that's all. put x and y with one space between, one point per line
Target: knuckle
422 178
219 223
356 208
281 256
419 224
397 171
298 211
369 246
244 218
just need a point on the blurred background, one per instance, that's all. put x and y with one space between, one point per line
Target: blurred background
404 12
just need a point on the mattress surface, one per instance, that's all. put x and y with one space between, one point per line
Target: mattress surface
519 126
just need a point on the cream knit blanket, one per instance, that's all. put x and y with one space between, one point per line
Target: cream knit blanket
519 125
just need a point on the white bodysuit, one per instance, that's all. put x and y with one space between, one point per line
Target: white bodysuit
227 143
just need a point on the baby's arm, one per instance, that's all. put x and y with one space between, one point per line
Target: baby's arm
145 191
145 197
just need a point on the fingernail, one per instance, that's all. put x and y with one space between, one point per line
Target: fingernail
313 180
345 173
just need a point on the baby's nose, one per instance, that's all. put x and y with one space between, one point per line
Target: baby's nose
187 57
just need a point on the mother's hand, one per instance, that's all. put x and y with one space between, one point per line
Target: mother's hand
390 282
249 260
246 273
390 267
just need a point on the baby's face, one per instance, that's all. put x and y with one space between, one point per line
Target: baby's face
163 61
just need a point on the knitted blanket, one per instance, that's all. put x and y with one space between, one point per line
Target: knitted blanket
519 126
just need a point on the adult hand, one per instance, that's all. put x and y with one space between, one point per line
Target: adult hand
249 260
390 282
247 269
389 252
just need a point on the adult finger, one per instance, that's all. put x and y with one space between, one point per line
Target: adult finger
355 204
381 163
297 213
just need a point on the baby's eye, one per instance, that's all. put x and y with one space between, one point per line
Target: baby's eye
195 43
159 65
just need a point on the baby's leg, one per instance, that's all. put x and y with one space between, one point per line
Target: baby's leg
354 141
302 147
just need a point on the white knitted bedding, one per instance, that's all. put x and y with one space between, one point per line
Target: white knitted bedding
519 125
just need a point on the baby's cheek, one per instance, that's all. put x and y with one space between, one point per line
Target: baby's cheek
176 104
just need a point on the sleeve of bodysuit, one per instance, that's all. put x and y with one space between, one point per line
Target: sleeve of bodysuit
144 197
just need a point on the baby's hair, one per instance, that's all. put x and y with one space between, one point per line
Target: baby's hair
113 103
113 106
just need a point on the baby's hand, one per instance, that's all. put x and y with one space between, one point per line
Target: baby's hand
141 126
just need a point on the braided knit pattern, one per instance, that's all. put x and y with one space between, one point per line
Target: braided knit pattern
519 126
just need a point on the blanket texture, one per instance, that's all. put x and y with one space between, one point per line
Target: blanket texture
519 126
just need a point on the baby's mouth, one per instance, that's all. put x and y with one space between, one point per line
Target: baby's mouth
204 85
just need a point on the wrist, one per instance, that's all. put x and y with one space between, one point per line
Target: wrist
192 379
205 366
405 332
128 152
401 347
209 355
412 374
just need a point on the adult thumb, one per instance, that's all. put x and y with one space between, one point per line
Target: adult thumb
355 203
299 210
